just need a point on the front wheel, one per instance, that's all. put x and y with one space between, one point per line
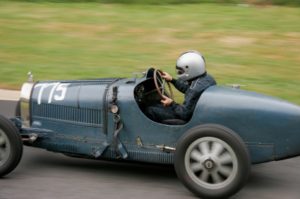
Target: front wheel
212 161
11 146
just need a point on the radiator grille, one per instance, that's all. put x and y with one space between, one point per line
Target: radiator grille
66 113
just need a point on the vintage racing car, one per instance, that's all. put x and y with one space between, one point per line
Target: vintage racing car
105 119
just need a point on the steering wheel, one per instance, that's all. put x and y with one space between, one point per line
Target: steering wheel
162 86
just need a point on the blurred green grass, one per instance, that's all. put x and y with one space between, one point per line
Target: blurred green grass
159 2
254 46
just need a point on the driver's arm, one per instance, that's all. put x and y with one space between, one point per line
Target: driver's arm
185 110
192 95
180 85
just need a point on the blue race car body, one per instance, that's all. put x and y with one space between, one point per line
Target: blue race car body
105 119
74 117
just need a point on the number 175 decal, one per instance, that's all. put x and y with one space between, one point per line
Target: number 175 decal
57 93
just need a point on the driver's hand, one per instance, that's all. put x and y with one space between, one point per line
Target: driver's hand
166 76
166 101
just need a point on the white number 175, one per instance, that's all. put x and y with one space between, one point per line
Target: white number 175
57 92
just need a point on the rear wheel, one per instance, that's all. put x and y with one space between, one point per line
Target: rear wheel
212 161
11 147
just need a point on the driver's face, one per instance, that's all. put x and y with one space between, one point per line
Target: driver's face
179 71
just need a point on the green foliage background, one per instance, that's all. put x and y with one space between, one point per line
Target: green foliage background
258 2
255 46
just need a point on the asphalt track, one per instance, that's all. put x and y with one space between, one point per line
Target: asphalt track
46 175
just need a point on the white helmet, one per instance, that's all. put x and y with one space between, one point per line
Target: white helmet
189 65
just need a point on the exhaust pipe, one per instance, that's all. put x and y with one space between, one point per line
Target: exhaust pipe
29 139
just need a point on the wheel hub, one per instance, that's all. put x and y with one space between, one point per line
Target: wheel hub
209 164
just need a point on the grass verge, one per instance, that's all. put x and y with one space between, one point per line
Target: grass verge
254 46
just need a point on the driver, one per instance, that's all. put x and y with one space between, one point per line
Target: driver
192 81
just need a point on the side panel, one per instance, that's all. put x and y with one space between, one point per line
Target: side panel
73 114
269 126
142 137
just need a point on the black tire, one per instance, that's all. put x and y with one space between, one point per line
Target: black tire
12 146
212 161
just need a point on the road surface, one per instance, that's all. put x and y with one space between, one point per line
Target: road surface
47 175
